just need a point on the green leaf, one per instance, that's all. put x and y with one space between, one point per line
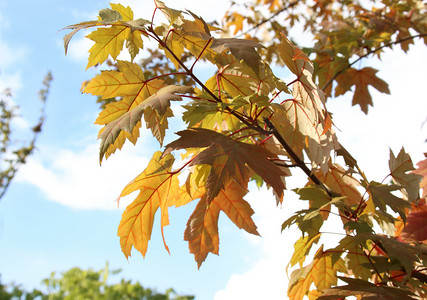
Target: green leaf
403 252
382 196
109 15
241 49
400 167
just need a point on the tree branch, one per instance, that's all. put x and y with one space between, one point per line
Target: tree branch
296 158
269 18
369 53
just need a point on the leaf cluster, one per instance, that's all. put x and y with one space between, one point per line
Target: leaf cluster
246 124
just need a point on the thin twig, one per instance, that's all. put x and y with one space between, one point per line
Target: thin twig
296 158
269 18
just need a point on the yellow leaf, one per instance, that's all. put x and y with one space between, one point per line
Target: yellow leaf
233 80
237 21
125 12
302 248
306 112
307 127
128 83
322 272
175 45
108 42
155 185
156 110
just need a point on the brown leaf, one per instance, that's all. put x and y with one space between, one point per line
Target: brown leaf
229 158
361 79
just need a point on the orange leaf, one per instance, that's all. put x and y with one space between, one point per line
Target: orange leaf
422 170
202 231
202 226
416 225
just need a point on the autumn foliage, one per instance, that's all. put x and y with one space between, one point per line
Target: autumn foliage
246 124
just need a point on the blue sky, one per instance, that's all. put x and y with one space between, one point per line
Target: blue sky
60 212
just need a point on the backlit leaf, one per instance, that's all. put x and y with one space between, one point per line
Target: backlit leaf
416 225
381 196
400 168
130 84
229 158
202 226
109 41
322 272
302 248
361 79
241 49
154 190
158 106
422 170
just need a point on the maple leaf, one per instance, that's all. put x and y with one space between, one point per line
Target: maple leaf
232 80
422 170
322 272
416 225
202 226
158 106
381 196
303 122
339 181
405 253
155 185
109 41
130 84
174 16
241 49
361 79
366 289
355 258
229 158
236 20
306 113
302 247
399 168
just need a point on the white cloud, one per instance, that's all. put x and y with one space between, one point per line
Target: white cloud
78 48
266 279
75 179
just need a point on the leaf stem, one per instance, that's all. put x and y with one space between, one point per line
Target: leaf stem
197 80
